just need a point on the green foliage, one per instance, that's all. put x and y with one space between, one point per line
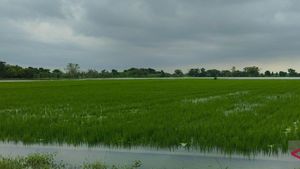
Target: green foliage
73 71
252 71
178 73
39 161
34 161
46 161
194 72
268 73
292 72
246 116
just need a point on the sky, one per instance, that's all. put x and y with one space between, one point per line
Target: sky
162 34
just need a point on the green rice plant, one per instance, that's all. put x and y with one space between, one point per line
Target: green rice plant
244 116
46 161
33 161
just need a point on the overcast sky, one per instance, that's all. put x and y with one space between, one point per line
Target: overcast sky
163 34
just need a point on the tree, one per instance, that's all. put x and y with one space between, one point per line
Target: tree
134 72
2 69
91 73
31 73
226 73
151 71
194 72
72 70
233 69
292 72
178 73
163 74
44 73
203 72
14 71
235 72
213 73
252 71
267 73
283 74
115 73
105 74
57 73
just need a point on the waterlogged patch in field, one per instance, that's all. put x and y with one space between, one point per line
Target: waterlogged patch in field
214 98
245 116
203 99
15 110
279 96
243 107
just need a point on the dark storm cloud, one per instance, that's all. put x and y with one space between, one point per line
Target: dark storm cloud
162 34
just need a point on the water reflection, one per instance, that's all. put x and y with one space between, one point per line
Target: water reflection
151 158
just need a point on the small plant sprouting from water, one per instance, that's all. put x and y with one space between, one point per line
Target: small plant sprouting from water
46 161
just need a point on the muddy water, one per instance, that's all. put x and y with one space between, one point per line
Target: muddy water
153 159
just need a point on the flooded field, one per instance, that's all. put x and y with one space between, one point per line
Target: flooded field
151 158
230 116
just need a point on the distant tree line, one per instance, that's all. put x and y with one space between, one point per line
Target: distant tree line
8 71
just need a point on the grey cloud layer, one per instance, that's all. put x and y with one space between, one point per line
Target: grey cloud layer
169 33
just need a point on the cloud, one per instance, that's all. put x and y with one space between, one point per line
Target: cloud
59 33
106 34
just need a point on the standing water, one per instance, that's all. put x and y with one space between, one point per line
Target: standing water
152 158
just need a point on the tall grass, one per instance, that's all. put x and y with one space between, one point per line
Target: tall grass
245 116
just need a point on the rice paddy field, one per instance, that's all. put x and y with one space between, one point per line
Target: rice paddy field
232 116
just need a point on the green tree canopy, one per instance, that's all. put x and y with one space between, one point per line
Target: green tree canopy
72 70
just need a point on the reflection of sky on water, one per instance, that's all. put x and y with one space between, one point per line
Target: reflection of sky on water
153 159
